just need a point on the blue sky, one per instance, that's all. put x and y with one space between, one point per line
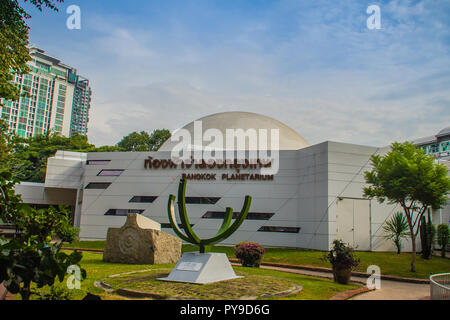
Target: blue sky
311 64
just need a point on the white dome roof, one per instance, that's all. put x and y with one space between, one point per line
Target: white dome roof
444 132
289 138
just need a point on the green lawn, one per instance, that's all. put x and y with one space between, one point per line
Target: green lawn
313 288
389 262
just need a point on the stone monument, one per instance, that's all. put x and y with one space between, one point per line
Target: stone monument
202 267
141 241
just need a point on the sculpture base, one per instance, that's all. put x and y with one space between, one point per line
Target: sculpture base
202 268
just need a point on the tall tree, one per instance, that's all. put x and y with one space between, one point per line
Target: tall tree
142 141
408 177
9 199
158 137
14 53
135 141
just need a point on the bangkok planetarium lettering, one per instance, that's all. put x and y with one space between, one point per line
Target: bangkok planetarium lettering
235 164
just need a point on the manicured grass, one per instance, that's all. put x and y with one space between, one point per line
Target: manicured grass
250 285
389 262
313 288
97 245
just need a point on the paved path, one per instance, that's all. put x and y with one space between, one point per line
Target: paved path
390 290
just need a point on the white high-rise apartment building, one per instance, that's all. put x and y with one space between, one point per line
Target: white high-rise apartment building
53 98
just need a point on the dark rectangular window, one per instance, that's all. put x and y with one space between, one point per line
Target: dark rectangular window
98 185
202 200
168 225
279 229
250 215
143 199
122 212
97 162
110 172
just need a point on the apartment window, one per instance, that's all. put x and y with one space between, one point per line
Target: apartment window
143 199
250 215
97 162
122 212
279 229
110 172
98 185
434 148
202 200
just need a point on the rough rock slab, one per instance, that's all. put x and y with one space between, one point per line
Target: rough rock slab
141 241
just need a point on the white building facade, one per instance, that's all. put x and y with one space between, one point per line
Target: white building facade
315 197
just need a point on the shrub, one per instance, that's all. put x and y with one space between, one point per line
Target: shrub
249 253
443 237
397 229
427 237
55 293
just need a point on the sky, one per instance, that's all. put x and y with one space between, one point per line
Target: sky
314 65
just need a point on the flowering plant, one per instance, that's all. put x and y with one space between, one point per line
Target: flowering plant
249 253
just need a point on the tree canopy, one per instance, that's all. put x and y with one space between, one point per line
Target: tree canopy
14 53
143 141
31 154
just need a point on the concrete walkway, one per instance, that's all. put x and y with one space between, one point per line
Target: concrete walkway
396 290
390 290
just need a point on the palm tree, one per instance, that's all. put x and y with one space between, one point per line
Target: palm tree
396 229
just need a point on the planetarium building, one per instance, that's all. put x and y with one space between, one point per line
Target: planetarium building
304 196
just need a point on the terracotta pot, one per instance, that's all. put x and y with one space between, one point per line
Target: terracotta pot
342 275
3 291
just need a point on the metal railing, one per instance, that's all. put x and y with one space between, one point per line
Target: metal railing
440 286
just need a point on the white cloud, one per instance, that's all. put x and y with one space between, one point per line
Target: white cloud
314 66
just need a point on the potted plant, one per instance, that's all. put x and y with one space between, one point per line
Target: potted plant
343 262
249 253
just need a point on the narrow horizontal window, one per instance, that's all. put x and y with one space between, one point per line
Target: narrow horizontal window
98 185
279 229
143 199
122 212
169 226
202 200
97 162
110 172
250 215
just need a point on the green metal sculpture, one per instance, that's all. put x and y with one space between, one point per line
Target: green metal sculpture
225 229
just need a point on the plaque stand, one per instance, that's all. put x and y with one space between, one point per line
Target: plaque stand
202 268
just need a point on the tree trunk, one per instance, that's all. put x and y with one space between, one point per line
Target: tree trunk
413 253
25 292
398 244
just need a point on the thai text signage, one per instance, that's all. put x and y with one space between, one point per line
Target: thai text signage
211 164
